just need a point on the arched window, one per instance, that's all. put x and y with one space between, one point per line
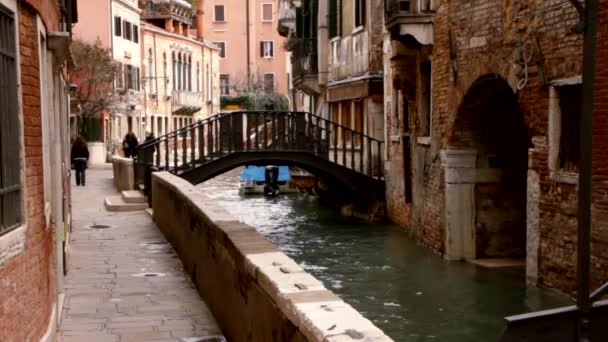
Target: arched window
198 77
151 78
165 76
179 71
189 73
174 75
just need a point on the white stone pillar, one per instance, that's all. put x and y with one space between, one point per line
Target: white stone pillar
459 170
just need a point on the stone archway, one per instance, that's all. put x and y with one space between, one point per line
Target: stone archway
486 174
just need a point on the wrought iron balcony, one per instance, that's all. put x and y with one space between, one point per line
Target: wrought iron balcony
304 58
179 10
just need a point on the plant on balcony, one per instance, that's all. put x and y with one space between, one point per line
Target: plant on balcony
253 101
93 77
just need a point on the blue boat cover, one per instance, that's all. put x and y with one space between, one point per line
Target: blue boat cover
257 173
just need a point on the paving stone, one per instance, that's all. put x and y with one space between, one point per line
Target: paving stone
104 300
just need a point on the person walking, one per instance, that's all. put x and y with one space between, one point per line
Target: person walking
129 144
80 157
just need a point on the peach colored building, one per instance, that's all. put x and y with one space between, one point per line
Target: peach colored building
252 55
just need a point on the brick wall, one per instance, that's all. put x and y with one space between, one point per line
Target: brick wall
27 281
487 35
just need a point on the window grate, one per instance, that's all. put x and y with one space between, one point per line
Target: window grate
10 187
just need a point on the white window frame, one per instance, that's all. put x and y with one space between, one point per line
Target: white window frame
272 45
219 53
221 88
271 12
274 81
214 14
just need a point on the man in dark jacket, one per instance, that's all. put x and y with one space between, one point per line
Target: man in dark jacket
129 143
80 157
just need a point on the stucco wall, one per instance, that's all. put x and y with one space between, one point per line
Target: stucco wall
255 292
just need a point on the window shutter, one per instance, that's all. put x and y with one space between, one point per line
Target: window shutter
136 33
261 49
117 26
271 49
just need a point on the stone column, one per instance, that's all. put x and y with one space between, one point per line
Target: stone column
459 170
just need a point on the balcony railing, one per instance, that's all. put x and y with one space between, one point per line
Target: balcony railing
305 57
186 101
349 56
167 9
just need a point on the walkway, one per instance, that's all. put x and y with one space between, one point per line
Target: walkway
125 283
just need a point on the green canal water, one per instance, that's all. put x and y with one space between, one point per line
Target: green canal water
409 292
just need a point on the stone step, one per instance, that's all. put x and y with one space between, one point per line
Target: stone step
150 212
117 203
134 196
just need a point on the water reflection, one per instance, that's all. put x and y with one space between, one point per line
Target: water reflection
407 291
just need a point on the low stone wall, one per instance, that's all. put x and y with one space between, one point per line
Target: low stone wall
255 292
124 177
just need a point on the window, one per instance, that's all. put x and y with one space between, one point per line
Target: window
151 71
119 76
224 84
269 83
266 49
136 34
570 102
179 71
222 46
189 73
174 78
267 12
425 99
219 13
332 18
359 13
127 30
10 183
131 77
117 26
198 78
404 5
425 5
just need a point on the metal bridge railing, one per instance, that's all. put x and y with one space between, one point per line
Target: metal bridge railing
210 139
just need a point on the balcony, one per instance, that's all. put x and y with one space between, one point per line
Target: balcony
287 18
304 61
410 17
349 56
179 10
186 102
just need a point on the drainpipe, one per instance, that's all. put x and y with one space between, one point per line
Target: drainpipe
584 180
248 48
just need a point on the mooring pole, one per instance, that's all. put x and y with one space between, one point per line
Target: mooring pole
584 181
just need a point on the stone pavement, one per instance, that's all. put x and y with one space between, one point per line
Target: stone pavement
125 283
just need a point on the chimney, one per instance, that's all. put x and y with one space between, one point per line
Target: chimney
199 19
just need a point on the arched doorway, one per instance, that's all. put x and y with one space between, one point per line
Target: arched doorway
486 174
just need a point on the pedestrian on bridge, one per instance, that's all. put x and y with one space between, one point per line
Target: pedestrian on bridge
80 157
129 144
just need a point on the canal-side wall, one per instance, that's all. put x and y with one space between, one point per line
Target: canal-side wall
255 291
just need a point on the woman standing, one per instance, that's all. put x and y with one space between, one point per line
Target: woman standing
80 157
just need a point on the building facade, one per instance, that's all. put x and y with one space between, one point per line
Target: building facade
180 74
118 29
482 106
252 53
34 138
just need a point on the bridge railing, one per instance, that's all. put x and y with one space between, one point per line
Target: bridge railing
253 131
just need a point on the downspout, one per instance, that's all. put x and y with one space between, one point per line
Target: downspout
248 49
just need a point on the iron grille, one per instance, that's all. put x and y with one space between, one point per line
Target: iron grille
10 185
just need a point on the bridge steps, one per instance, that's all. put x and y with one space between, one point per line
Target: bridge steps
128 201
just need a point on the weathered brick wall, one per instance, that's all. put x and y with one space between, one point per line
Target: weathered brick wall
27 281
487 35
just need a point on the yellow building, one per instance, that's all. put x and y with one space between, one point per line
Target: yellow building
180 73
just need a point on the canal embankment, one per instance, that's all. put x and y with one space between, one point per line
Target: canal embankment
254 290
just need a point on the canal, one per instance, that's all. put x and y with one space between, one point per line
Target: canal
403 288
